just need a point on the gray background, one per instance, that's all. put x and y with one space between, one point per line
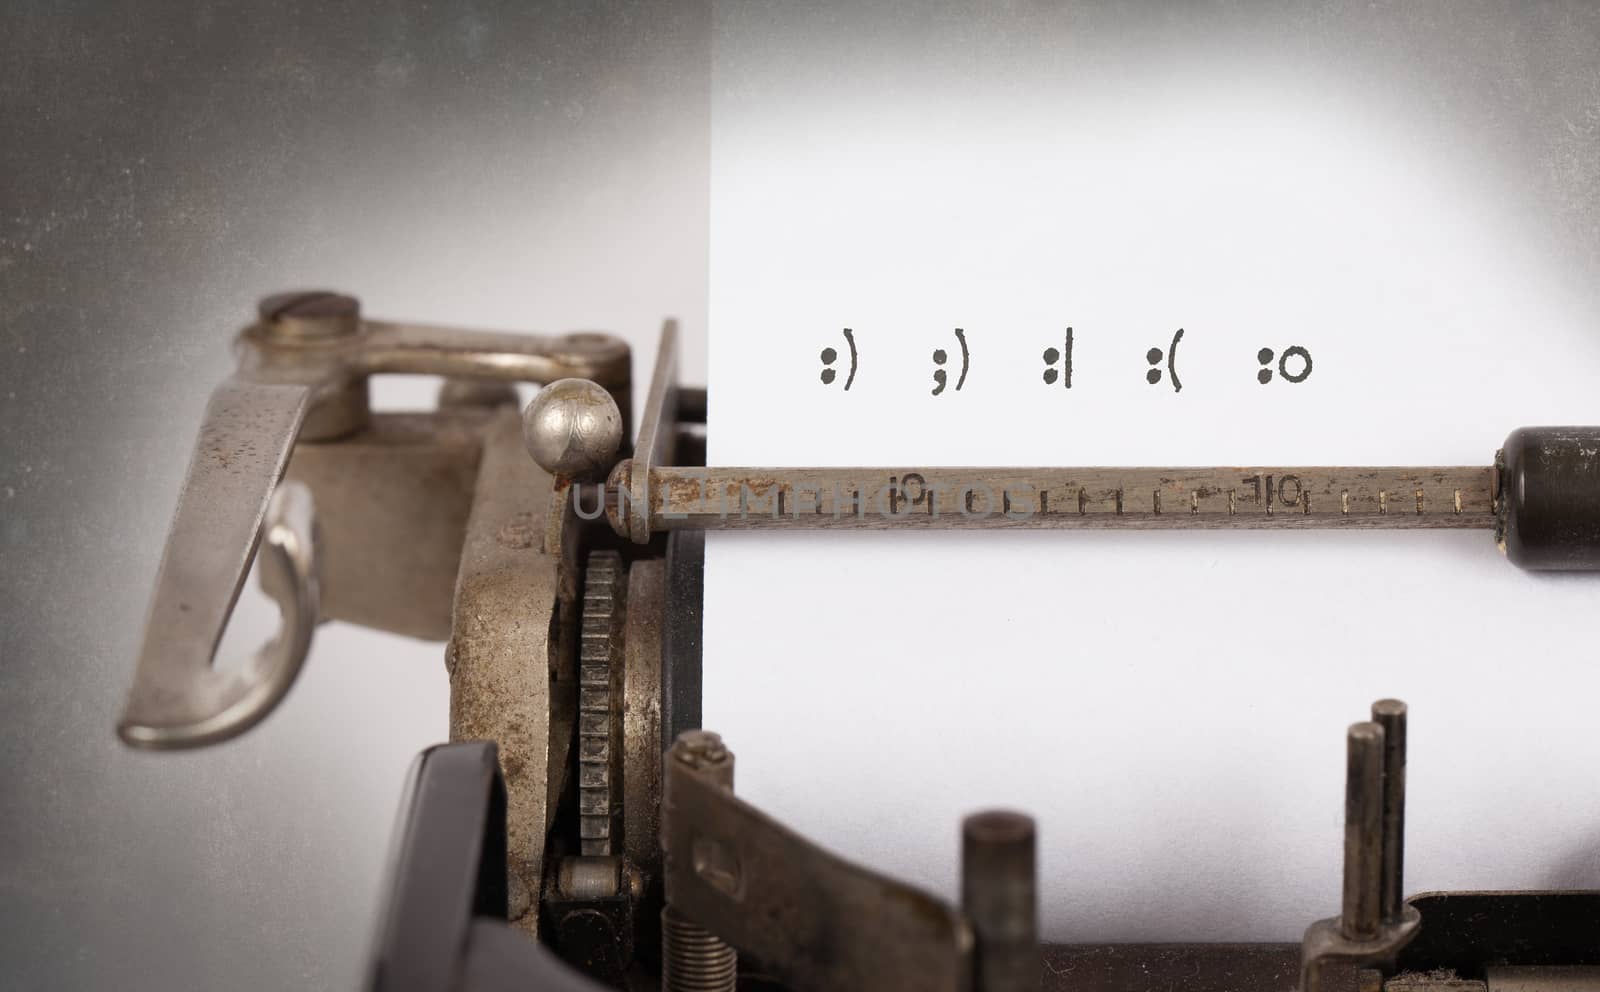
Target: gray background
500 164
506 165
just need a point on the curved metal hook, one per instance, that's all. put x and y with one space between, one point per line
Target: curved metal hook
288 558
231 504
228 701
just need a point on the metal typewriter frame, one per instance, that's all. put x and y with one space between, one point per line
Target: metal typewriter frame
582 803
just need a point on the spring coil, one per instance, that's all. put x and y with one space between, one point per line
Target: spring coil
694 960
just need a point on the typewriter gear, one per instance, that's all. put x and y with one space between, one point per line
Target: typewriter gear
600 702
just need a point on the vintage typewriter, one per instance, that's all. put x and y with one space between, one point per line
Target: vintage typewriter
582 830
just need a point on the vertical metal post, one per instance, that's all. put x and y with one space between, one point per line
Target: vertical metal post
1363 832
999 895
1374 923
1390 714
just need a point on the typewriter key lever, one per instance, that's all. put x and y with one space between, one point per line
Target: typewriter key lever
302 376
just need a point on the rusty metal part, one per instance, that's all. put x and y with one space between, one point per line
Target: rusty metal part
1363 933
641 717
1131 498
1000 897
600 703
302 375
658 434
392 503
512 670
813 920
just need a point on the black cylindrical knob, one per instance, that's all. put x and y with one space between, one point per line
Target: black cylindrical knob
1549 498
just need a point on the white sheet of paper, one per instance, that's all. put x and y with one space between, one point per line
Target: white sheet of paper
1169 706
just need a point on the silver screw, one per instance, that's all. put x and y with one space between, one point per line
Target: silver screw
314 315
703 749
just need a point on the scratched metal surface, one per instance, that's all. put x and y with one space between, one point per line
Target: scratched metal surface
495 163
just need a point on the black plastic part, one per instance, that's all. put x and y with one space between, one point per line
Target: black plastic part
443 926
1549 495
500 959
596 936
686 583
1189 967
680 634
1468 932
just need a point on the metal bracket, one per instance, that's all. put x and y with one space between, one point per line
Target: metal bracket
812 920
658 437
302 373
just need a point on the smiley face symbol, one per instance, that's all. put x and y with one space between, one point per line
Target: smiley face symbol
1294 355
941 378
830 355
1058 363
1153 358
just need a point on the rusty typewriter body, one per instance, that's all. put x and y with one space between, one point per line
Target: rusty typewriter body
581 830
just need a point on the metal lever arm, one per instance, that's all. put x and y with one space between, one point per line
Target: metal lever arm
813 920
302 369
178 699
387 347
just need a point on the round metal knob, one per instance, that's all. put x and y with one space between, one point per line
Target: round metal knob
573 429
